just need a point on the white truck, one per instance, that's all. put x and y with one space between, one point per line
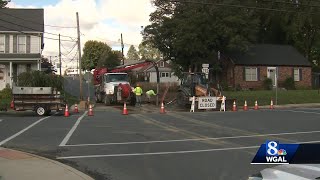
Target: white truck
115 87
112 85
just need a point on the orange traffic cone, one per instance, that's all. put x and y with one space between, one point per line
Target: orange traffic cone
76 110
245 107
66 111
162 111
12 104
125 111
256 107
90 113
271 104
234 107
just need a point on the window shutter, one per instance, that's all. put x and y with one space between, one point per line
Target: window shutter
258 74
28 44
244 73
7 37
15 44
293 73
300 74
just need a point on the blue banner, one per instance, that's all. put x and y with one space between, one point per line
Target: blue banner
273 152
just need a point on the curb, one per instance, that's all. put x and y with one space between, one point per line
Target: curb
70 169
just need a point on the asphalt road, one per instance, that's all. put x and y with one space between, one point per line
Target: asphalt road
149 145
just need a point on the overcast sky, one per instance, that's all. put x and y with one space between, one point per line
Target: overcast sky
102 20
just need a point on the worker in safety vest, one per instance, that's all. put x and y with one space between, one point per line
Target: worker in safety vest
149 94
138 92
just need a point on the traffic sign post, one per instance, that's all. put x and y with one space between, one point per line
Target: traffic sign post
205 70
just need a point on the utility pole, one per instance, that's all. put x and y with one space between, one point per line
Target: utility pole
60 55
79 56
122 50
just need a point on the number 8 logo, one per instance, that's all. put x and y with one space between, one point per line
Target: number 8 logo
272 150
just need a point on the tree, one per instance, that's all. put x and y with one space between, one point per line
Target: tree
192 33
46 66
3 3
298 24
147 52
109 59
93 52
132 53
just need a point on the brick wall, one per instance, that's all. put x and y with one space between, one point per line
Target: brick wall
284 72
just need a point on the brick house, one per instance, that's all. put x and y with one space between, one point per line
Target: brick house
21 40
249 70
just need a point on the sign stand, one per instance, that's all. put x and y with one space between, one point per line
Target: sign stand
192 105
223 104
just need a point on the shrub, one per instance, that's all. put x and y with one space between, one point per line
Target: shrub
267 84
40 79
225 86
289 83
6 93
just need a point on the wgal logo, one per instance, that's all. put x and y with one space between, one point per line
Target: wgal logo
274 154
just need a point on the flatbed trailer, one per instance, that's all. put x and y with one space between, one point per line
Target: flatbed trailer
41 100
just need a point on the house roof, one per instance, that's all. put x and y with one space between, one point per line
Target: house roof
161 69
272 55
21 19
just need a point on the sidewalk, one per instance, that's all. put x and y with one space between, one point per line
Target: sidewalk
19 165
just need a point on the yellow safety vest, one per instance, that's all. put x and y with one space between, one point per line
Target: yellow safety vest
138 91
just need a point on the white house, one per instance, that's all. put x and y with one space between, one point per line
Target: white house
165 72
21 42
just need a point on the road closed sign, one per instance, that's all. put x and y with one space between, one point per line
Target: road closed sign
207 102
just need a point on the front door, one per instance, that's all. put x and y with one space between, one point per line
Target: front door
3 77
272 75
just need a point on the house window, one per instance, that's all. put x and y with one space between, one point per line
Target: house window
21 44
161 63
164 74
251 74
2 43
297 74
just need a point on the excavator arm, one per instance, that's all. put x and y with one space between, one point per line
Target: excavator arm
99 72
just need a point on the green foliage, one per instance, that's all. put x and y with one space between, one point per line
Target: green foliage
225 86
6 93
109 59
299 26
193 33
94 51
267 84
289 83
132 53
3 3
40 79
147 52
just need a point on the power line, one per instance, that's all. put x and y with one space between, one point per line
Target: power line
72 48
54 38
34 29
36 22
35 35
115 42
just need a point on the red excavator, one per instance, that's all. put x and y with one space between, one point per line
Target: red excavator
112 84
